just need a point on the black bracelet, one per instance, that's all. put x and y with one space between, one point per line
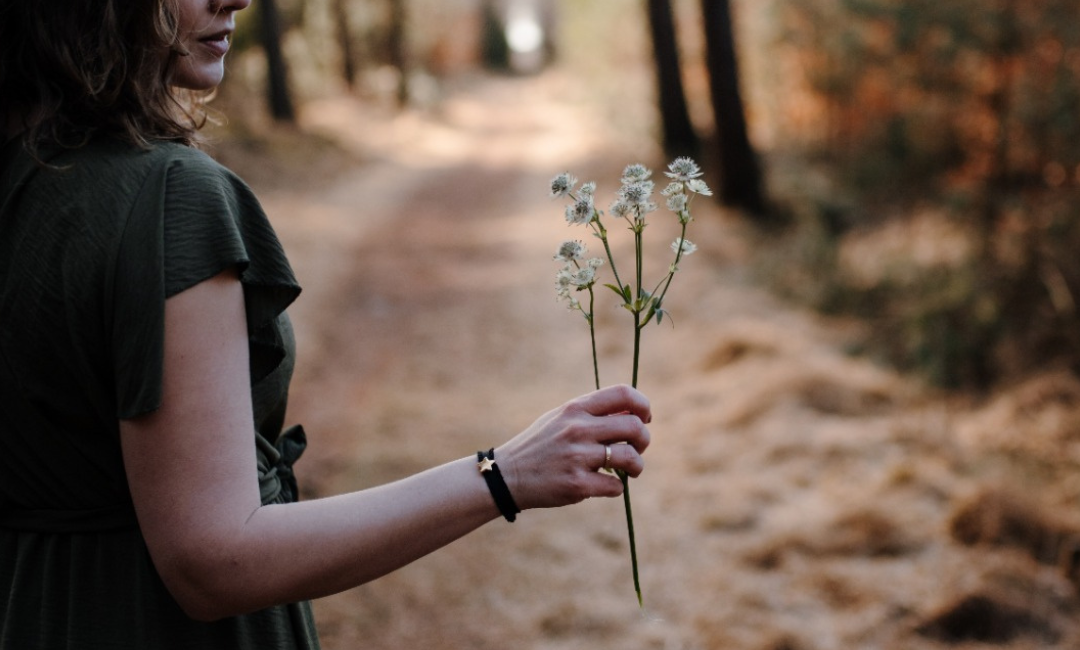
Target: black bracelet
490 471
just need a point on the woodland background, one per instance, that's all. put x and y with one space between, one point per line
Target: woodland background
871 386
960 114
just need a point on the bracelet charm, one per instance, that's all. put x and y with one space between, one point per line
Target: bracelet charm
489 469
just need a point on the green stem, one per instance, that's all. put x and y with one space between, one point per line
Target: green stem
601 232
592 335
634 382
630 526
666 282
638 306
674 265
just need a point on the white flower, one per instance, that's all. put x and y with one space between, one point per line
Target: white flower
635 173
583 277
562 184
595 262
571 250
636 193
564 281
675 187
588 188
698 186
580 211
620 209
676 202
685 246
683 169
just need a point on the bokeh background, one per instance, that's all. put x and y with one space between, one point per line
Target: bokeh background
867 404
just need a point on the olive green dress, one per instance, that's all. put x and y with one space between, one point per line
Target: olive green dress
90 248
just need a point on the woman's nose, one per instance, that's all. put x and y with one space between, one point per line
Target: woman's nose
233 5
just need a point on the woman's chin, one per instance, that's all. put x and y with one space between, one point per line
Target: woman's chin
199 77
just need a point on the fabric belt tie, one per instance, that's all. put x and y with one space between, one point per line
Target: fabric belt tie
278 483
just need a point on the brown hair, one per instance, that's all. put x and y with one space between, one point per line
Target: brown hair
72 68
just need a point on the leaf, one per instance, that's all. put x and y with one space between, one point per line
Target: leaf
617 291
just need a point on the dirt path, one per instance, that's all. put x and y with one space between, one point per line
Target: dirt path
795 498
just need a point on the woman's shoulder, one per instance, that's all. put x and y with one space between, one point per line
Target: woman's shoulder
156 155
104 163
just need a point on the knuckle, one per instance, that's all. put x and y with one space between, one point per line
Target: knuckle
576 489
576 430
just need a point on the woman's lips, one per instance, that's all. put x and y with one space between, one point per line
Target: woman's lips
218 44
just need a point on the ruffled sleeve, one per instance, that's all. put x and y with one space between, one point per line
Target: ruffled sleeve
191 220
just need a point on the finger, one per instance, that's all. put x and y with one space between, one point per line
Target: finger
604 485
617 399
622 458
622 428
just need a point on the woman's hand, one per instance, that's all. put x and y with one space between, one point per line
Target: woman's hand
555 461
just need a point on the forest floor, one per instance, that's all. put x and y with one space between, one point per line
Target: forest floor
796 497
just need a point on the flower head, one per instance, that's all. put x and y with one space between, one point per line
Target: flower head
673 188
564 281
562 185
595 262
636 193
583 277
683 169
588 188
581 211
620 209
677 202
570 250
635 173
698 186
683 246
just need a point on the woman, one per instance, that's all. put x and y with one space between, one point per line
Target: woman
146 490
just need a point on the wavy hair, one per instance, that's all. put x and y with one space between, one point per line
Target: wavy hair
70 69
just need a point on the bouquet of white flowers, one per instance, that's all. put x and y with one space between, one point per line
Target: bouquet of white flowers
634 200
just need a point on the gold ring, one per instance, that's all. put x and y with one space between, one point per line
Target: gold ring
607 457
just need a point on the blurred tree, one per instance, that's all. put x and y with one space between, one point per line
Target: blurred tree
345 42
398 48
494 50
740 173
678 135
964 108
277 82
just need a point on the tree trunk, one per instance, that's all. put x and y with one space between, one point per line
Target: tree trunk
281 105
348 61
396 43
740 175
678 135
494 51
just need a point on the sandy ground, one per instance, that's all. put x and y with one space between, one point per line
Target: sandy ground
796 497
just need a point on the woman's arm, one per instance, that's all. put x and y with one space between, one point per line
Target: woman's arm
191 469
